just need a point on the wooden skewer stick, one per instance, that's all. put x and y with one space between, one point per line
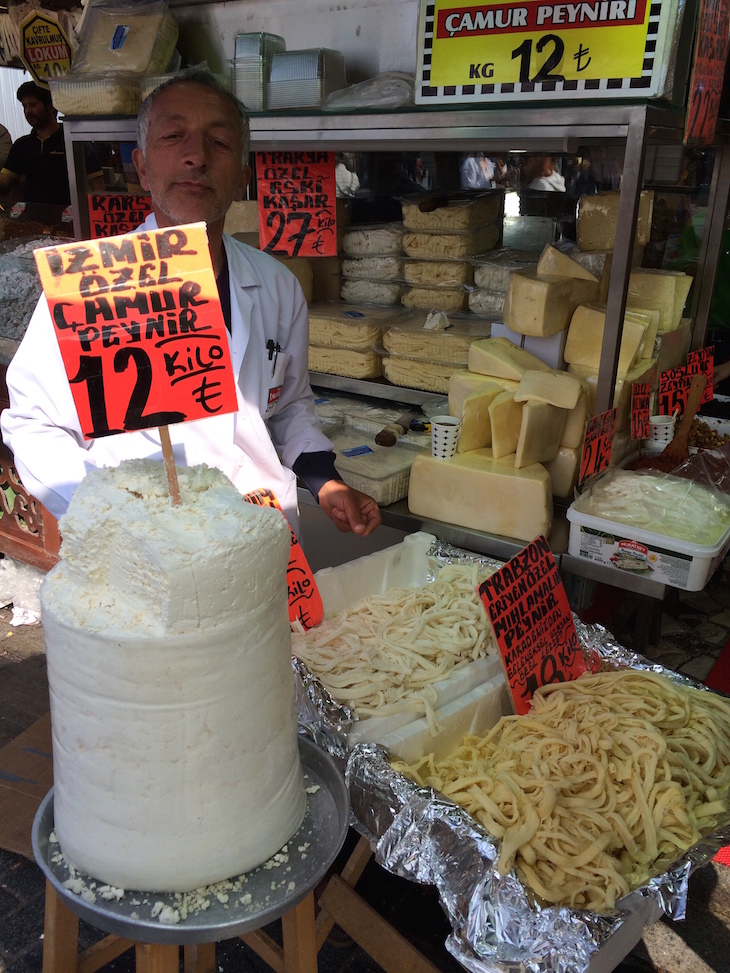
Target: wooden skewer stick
169 460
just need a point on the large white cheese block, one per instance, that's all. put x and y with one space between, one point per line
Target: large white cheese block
541 430
563 471
333 325
386 292
585 338
505 418
477 491
116 37
542 306
437 273
598 216
348 362
378 238
555 263
373 268
498 357
476 426
455 245
167 637
463 383
455 300
556 387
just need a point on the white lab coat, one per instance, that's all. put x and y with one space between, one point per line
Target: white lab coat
42 429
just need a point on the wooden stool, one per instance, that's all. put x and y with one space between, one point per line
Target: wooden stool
61 943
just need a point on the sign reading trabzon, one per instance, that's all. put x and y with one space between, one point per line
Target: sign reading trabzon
544 49
45 49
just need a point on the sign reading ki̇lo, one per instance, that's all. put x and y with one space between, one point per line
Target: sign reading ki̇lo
45 49
140 329
543 49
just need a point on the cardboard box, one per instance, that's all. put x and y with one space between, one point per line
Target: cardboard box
26 775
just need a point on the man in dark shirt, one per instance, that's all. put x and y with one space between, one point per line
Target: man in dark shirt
40 156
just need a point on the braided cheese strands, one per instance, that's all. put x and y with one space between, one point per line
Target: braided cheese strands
603 780
383 655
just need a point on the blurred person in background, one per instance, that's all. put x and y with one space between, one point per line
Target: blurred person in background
477 172
541 173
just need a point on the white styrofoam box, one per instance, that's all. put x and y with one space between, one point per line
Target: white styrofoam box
657 557
476 713
403 565
548 350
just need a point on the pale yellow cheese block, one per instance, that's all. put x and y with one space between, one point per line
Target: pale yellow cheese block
499 358
415 373
347 362
585 339
476 427
505 417
563 471
555 387
477 491
542 306
575 421
651 317
463 383
665 290
598 216
555 263
541 430
643 371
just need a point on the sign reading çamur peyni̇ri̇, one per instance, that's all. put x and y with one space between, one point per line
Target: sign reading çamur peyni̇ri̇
549 49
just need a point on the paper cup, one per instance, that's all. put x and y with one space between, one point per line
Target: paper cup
661 429
444 436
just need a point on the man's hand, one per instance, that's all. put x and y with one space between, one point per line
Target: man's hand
349 509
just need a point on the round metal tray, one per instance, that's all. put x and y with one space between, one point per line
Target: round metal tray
323 832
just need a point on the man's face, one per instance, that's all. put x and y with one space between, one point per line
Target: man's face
192 161
37 113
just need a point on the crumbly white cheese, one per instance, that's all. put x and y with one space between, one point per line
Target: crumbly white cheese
169 664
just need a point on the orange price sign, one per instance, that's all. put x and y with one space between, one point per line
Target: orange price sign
597 444
673 390
140 329
702 361
297 203
708 72
305 601
529 612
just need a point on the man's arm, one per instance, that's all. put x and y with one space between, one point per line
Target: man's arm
349 509
7 181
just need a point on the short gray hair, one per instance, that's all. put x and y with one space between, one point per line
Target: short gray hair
194 76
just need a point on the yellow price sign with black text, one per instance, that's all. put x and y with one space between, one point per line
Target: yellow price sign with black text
533 48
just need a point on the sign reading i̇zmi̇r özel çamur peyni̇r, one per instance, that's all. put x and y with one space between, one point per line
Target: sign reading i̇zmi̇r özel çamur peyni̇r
143 340
541 49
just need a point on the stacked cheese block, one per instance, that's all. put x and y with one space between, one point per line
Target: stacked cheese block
345 340
522 428
440 235
372 265
424 348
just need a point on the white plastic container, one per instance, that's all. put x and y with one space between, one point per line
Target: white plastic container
643 553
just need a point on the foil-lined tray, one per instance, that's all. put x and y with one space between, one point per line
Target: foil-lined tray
420 835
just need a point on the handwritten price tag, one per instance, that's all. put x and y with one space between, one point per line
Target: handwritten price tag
529 612
702 362
297 203
113 213
140 329
708 72
597 444
305 601
640 410
673 389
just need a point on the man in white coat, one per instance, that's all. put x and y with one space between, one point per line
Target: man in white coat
193 141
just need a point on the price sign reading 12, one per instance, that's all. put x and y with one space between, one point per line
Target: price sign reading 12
140 329
529 613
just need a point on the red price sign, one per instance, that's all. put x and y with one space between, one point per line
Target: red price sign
673 389
702 362
708 72
640 410
305 601
297 203
140 328
111 214
528 610
597 444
